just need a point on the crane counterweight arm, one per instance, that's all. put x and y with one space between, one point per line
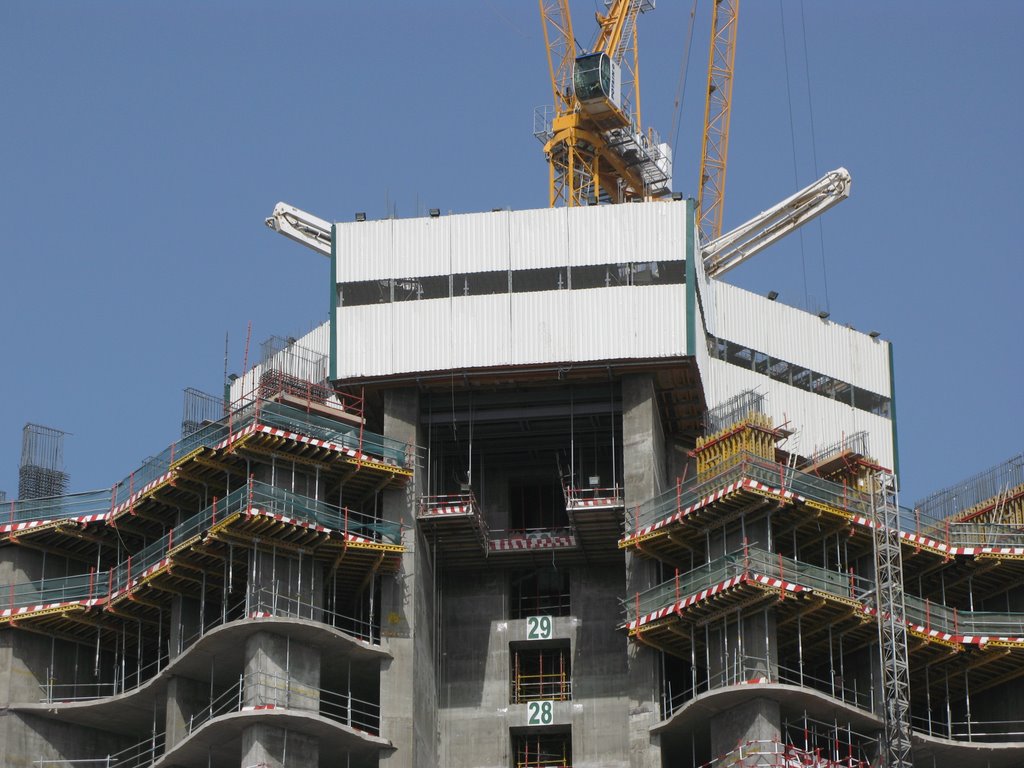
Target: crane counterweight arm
304 228
733 248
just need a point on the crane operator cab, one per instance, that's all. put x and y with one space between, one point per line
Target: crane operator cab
597 83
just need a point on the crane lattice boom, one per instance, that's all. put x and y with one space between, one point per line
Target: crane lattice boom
593 141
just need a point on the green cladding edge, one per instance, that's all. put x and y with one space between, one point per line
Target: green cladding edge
334 304
691 281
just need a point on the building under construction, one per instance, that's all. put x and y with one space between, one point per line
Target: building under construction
540 493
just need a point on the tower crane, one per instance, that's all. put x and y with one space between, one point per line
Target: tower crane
592 136
717 110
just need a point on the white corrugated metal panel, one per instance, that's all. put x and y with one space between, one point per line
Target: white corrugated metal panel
612 234
479 242
600 234
318 340
480 331
365 340
659 318
659 231
364 250
542 327
818 422
421 247
799 337
602 325
632 322
539 238
422 339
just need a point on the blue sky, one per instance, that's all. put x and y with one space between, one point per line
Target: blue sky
142 145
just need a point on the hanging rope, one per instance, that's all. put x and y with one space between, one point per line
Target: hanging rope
814 150
792 140
684 66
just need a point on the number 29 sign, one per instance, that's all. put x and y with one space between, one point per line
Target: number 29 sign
538 628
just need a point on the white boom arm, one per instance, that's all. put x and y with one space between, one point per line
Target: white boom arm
733 248
302 227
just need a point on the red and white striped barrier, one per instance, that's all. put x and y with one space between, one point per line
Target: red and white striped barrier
521 543
743 484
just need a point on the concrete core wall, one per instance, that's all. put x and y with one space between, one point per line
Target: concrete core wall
599 671
267 746
408 687
475 670
644 475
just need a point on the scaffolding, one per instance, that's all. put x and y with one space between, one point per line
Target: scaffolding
543 751
287 356
733 410
985 492
541 674
41 472
198 410
892 623
824 554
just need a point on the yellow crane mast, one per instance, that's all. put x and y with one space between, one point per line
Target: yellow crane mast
717 107
593 141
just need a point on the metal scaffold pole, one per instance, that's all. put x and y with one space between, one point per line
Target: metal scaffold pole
892 625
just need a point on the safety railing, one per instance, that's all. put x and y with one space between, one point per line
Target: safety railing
940 617
439 505
313 425
75 505
987 731
584 498
258 604
144 753
551 685
817 489
749 561
256 691
744 670
102 503
264 690
549 537
251 496
771 753
544 604
65 589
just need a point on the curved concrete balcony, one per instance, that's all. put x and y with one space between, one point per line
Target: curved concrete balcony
338 723
801 701
214 657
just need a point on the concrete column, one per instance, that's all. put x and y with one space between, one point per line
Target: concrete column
268 746
643 458
282 672
284 584
185 623
27 659
185 698
750 721
408 692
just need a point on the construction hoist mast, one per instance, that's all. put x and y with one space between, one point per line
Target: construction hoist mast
593 140
892 622
717 109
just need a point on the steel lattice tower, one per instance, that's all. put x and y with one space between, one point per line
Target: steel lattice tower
892 624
